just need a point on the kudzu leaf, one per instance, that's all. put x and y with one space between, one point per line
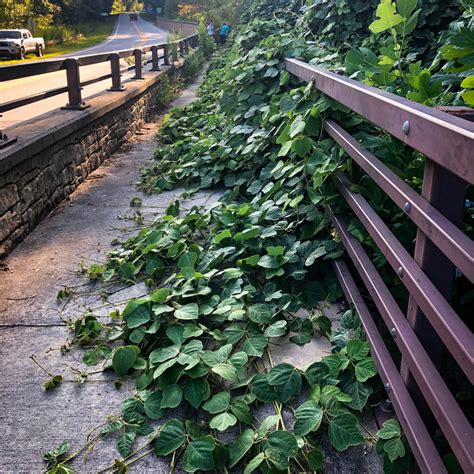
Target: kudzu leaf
287 381
254 463
357 350
365 369
390 429
316 459
172 396
124 358
242 412
343 432
164 353
198 456
238 449
284 442
223 421
136 313
308 418
262 389
394 448
187 312
261 313
170 439
160 295
226 371
125 443
152 406
255 345
195 391
276 329
218 403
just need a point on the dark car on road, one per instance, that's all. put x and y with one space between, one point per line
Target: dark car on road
133 17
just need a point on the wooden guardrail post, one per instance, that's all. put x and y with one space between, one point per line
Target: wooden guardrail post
166 53
116 74
74 86
138 55
5 140
155 59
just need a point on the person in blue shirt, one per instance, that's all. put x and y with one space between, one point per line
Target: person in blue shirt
224 32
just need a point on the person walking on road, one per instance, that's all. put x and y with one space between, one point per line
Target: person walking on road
224 32
211 30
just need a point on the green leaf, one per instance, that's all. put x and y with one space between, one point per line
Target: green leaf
161 355
254 463
140 314
357 350
239 448
287 104
267 424
223 421
262 389
330 393
261 313
359 392
315 459
343 432
218 403
242 412
125 443
406 7
387 17
226 371
124 358
302 146
172 396
53 382
188 311
196 391
171 438
390 429
152 406
284 442
198 456
287 381
468 82
365 369
186 264
394 448
308 418
276 329
160 295
255 345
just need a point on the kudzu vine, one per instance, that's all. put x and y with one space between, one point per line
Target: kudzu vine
228 279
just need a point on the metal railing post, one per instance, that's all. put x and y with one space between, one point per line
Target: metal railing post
138 65
74 86
116 75
155 61
166 53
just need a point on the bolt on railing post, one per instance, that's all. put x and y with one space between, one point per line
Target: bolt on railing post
155 61
138 65
166 53
74 86
116 75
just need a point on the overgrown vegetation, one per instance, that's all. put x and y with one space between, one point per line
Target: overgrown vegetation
226 280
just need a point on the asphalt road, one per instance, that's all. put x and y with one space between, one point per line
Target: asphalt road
126 35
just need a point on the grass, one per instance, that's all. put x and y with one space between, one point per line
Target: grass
94 34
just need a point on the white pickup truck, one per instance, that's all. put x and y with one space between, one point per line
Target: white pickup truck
17 43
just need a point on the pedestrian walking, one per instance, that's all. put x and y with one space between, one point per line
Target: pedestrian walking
211 30
224 32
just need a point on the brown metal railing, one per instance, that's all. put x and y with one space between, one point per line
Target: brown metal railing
431 326
72 67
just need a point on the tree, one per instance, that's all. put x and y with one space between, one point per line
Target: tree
14 14
117 7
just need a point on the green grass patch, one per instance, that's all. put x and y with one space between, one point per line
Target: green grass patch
94 33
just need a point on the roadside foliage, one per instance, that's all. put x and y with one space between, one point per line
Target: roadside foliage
229 280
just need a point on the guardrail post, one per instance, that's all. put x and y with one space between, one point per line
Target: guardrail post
6 140
186 46
437 266
155 61
138 54
181 48
166 53
74 86
116 75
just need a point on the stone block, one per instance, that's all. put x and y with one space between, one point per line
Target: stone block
8 197
10 221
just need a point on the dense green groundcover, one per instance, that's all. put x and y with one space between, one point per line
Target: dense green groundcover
227 279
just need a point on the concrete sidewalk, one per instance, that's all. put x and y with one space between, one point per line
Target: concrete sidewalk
33 421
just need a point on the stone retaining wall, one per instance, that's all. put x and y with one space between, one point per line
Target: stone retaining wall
56 152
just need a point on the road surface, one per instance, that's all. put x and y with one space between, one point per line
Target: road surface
126 35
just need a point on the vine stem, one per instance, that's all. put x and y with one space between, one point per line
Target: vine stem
44 369
79 451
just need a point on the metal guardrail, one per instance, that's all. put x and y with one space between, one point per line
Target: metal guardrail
431 327
72 67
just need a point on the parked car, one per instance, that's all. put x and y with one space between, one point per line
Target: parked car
133 17
17 43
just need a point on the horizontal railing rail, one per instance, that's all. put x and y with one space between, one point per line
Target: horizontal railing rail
431 328
72 65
